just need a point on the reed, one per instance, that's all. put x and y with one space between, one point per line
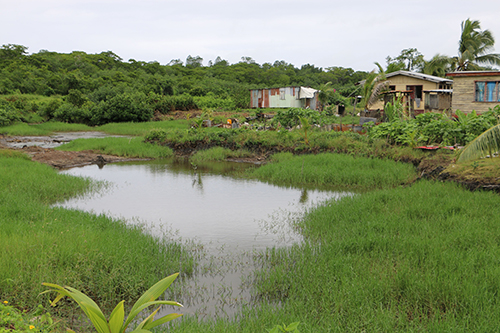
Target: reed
105 258
120 146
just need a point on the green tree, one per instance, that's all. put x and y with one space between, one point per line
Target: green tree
474 47
439 65
194 62
374 84
409 59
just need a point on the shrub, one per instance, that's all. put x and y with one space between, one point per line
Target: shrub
70 113
124 107
8 114
291 117
156 134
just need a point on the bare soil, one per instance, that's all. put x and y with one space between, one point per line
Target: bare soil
67 159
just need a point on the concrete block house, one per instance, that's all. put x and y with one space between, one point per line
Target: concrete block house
475 90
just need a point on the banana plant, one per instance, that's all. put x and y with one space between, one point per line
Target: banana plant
117 322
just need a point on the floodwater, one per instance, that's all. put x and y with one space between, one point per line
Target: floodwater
227 220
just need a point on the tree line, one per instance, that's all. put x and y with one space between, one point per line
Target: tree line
51 73
99 88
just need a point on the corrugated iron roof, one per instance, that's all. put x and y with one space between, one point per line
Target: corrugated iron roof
420 76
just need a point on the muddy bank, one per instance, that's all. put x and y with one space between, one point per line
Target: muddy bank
70 159
40 149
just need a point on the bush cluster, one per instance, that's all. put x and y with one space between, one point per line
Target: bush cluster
434 128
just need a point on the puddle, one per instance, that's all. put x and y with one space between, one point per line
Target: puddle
228 221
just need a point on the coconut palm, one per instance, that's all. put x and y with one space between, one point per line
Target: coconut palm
325 91
439 65
473 48
485 144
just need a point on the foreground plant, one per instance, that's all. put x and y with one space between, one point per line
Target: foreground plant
116 323
13 320
293 327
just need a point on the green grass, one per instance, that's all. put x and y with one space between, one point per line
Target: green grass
127 147
423 258
47 128
217 154
335 170
141 129
102 257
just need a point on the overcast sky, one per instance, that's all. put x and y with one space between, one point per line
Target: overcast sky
321 32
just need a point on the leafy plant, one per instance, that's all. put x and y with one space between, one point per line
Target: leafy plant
13 320
485 144
293 327
305 128
116 323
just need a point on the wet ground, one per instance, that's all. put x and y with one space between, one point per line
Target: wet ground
40 148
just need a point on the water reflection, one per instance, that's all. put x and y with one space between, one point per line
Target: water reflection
231 218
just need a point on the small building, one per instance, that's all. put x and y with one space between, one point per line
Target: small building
418 90
475 90
438 100
286 97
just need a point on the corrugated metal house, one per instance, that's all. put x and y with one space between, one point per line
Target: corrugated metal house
285 97
475 90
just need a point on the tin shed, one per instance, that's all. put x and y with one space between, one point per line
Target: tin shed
285 97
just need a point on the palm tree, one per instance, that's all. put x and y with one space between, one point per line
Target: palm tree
473 48
373 86
485 144
325 91
439 65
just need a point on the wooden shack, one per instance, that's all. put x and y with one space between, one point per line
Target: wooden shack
414 85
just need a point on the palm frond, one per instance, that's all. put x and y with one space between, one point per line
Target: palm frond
377 90
485 144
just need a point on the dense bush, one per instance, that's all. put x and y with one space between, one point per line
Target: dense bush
8 114
124 107
70 113
210 101
291 117
433 128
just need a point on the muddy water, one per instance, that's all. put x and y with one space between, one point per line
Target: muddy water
226 220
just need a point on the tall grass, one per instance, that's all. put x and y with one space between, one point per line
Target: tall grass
335 170
417 259
128 147
217 154
423 258
105 258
